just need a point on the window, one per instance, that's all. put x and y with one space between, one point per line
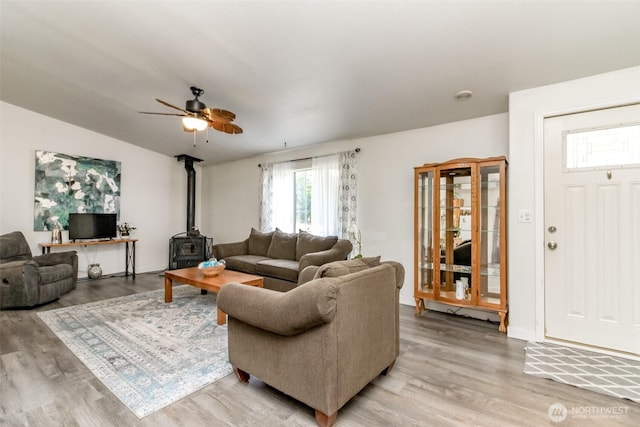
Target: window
302 199
316 195
599 148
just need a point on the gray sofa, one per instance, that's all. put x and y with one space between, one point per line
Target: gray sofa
279 257
26 280
322 342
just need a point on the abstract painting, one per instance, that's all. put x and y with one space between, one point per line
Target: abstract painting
66 184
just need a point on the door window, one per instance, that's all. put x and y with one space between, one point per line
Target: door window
602 148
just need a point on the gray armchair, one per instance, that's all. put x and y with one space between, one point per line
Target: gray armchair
26 280
322 342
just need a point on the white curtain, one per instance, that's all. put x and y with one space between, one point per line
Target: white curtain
333 195
348 197
325 188
276 197
266 208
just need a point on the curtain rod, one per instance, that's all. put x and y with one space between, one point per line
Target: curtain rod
357 150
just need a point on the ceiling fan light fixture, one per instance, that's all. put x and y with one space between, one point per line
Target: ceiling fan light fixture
194 123
197 117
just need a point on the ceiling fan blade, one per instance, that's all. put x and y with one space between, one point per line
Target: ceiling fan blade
172 106
219 115
162 114
232 129
226 127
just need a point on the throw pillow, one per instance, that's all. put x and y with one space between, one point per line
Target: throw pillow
308 243
340 268
283 245
259 242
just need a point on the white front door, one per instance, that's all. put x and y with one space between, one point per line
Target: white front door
592 228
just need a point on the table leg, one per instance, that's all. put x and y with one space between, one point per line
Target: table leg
222 317
130 258
168 290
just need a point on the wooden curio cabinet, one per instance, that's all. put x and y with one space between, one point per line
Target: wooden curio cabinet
460 235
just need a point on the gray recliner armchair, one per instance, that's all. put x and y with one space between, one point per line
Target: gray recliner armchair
27 280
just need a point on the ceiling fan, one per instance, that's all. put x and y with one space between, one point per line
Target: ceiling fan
196 116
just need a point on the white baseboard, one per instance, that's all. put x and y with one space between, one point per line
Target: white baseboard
521 334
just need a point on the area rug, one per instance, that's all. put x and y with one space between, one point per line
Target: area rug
148 353
614 376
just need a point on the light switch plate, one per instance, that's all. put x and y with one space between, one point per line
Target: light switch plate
524 215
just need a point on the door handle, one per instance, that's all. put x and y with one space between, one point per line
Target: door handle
552 245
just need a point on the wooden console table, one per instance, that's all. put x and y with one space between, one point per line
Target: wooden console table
130 255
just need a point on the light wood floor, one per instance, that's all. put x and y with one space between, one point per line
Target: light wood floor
452 371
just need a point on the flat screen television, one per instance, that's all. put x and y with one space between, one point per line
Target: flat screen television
92 226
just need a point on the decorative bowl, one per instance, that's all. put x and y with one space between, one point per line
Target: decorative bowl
212 267
212 271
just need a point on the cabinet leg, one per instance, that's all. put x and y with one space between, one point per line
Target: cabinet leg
503 322
419 306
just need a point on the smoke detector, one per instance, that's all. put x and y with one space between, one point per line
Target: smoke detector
464 95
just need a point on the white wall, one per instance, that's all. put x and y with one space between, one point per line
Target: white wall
153 195
227 200
385 184
527 110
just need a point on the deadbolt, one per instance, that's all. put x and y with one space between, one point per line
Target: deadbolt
552 245
552 229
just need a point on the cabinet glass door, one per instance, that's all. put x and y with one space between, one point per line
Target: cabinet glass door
425 232
490 236
455 233
460 235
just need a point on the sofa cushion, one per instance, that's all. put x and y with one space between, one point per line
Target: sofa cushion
308 243
259 242
340 268
279 268
244 263
283 245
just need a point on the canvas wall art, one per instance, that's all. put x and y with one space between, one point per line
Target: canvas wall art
65 184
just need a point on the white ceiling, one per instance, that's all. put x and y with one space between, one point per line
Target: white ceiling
300 72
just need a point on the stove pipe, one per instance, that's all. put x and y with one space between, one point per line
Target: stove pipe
191 188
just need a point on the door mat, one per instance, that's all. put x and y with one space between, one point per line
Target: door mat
602 373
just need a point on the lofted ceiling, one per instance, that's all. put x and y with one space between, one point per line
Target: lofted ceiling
297 72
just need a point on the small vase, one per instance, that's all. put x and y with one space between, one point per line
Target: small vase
56 234
124 235
95 271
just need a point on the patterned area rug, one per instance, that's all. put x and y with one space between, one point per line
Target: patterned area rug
148 353
614 376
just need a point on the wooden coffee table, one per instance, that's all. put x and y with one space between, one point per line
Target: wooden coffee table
194 277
